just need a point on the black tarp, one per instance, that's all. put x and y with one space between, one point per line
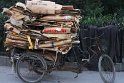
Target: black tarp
121 38
110 40
2 36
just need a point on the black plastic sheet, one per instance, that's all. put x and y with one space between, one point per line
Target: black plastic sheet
109 41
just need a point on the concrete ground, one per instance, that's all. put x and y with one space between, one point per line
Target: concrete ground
8 76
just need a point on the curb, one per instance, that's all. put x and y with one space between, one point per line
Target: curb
5 61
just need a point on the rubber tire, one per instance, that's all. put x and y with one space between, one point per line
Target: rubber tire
30 54
100 68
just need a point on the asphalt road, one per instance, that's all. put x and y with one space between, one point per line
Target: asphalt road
8 76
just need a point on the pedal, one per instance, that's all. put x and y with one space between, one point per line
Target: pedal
76 42
86 60
76 75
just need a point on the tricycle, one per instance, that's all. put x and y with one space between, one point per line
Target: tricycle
32 65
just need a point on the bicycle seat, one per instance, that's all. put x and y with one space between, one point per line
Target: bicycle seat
76 42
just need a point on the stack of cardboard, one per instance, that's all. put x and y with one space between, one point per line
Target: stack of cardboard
41 25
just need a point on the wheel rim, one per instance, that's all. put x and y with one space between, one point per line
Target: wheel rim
31 68
107 69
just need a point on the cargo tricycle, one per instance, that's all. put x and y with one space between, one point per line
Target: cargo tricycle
32 65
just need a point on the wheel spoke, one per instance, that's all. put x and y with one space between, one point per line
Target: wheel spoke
31 67
106 69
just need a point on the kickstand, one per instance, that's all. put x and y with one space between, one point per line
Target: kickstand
78 72
76 75
13 70
13 65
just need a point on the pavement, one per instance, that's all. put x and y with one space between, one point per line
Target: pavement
8 76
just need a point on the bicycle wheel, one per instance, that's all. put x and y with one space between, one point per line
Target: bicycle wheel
106 69
31 67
